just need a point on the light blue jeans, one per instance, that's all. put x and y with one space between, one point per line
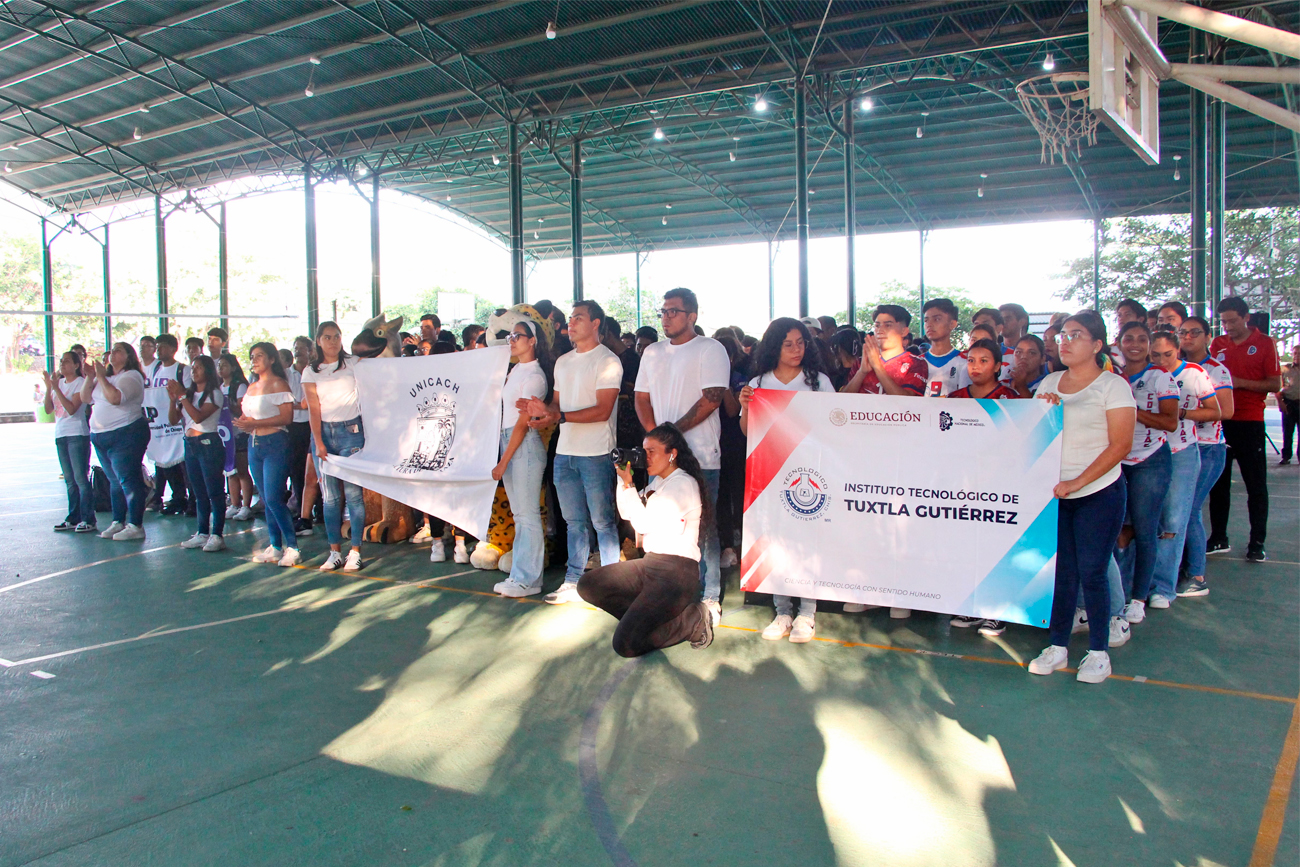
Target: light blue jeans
342 438
785 605
585 485
1147 482
523 481
1212 460
1174 518
710 551
268 464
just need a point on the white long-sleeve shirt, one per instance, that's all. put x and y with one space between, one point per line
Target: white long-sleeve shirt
669 519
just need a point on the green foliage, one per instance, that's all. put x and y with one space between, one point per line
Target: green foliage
1149 259
428 303
619 301
909 296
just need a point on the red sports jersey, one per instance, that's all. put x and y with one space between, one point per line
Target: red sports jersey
1255 358
909 371
999 393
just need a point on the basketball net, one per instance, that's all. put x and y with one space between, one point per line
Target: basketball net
1057 106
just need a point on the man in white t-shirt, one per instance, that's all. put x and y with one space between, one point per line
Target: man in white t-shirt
583 403
947 365
682 380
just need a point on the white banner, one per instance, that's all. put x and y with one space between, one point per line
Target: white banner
166 440
433 428
933 504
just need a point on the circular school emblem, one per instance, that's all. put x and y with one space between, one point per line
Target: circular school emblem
804 493
839 417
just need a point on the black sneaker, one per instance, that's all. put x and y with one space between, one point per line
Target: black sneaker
64 525
1255 553
302 527
706 628
1284 462
992 628
1217 546
963 622
1192 587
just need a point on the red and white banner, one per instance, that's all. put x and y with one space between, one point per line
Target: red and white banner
925 503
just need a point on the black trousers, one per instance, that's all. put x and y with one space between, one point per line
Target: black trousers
656 600
174 476
299 447
1246 447
1290 417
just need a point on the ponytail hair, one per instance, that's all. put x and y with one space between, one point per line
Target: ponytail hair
673 440
1092 323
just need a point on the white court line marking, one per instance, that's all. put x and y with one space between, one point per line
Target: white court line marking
43 675
6 588
159 633
6 663
30 512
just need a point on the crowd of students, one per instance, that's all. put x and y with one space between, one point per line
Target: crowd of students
1152 423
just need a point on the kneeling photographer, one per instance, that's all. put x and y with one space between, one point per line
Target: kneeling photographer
657 598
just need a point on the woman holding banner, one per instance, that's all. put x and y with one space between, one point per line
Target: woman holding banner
656 599
1099 414
786 359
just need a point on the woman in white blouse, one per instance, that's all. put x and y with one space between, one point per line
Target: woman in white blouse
657 598
1099 414
120 434
268 410
72 441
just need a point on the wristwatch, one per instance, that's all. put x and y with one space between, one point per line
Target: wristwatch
563 419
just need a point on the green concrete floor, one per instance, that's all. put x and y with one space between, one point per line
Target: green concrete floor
208 710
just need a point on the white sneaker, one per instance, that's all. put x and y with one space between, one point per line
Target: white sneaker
779 627
565 593
715 610
244 514
269 555
332 562
198 540
1158 601
257 506
1135 611
353 562
728 558
1080 621
129 533
461 554
1095 667
231 511
214 543
437 553
421 535
290 558
1052 659
514 590
1120 632
803 630
112 530
900 613
858 607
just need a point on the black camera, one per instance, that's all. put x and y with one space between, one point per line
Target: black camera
623 457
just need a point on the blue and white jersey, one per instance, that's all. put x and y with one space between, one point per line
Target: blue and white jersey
947 373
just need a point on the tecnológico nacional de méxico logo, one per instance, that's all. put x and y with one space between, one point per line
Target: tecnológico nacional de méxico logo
804 493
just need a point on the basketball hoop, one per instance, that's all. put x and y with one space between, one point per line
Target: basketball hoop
1057 106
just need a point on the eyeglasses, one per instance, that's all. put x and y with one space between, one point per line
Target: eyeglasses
1190 332
1069 337
514 335
670 312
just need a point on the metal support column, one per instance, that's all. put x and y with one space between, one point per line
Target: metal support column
47 294
801 188
575 219
771 283
108 321
638 288
1197 160
376 301
850 212
921 234
1096 264
516 192
223 271
313 294
1217 176
160 246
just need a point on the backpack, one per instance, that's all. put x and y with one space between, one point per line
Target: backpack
99 483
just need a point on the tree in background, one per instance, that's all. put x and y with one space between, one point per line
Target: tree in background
1149 259
619 300
427 302
909 296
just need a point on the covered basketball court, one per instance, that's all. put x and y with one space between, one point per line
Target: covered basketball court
162 712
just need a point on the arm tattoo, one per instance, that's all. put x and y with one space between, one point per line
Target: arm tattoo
709 400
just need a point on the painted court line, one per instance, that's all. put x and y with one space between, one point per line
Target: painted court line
1271 823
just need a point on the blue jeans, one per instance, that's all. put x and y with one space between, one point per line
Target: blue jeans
710 551
785 605
121 455
585 486
1212 460
1147 483
205 462
74 461
345 439
1116 585
1174 518
523 481
1086 530
268 464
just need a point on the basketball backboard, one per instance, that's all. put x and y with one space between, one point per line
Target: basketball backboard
1121 91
